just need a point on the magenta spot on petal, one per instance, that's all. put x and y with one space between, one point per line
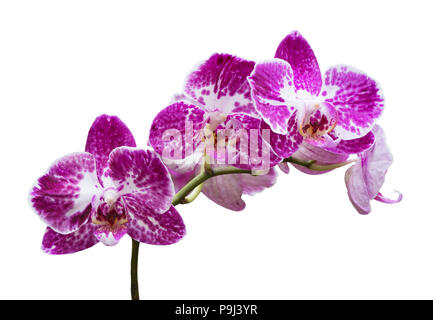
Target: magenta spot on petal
219 77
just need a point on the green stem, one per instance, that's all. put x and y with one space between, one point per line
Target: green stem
134 264
192 189
193 195
202 177
311 164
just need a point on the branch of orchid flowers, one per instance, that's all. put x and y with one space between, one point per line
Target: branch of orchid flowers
311 164
193 188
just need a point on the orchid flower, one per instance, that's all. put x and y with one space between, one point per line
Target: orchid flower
216 98
365 179
108 191
335 112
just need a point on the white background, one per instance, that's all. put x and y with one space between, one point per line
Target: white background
62 63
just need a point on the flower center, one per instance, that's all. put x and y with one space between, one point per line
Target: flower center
215 119
110 218
110 196
317 120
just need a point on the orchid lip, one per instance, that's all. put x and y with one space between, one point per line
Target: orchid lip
110 217
318 120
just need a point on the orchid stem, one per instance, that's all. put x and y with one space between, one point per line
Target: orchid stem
193 195
134 264
202 177
311 164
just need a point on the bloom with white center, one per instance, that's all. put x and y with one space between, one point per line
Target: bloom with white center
298 105
216 97
100 195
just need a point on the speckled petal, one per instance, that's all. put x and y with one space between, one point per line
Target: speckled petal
354 146
226 191
107 133
284 145
153 228
180 179
309 152
240 143
109 236
271 89
297 52
62 197
252 185
176 134
219 83
356 97
139 175
57 243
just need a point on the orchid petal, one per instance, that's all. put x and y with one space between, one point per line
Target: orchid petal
180 179
181 97
357 98
357 190
284 145
246 145
297 52
353 146
284 166
252 185
144 225
110 236
225 191
62 197
140 176
176 135
365 179
106 134
271 85
375 163
57 243
381 198
220 84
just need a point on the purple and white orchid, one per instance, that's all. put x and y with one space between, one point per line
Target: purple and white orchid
294 101
223 135
216 99
108 191
325 120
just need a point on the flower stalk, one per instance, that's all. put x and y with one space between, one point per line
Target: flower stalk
311 164
134 276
